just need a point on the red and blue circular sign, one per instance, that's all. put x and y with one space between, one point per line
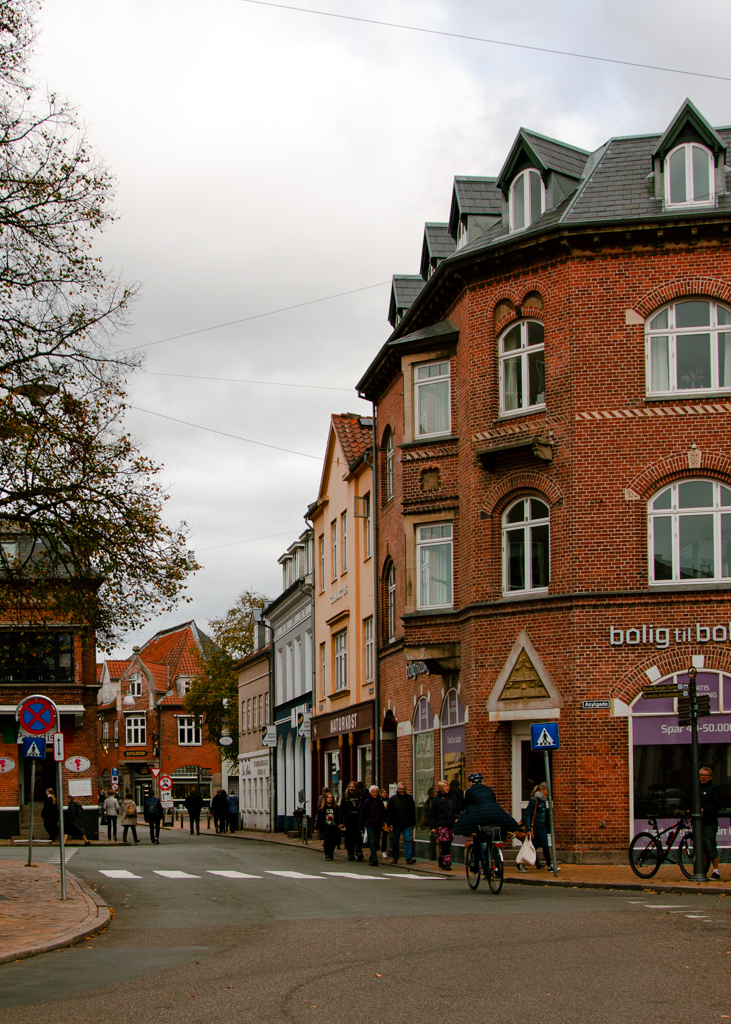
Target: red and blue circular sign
37 716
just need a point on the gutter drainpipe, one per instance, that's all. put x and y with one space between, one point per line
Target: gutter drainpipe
376 594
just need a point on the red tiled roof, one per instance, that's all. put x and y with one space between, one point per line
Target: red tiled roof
173 652
115 668
99 667
354 437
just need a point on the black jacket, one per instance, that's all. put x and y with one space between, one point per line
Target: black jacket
328 817
219 805
401 811
443 811
153 809
372 812
193 803
481 808
710 803
50 810
350 807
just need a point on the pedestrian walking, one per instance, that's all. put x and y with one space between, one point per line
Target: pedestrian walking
710 806
193 804
321 799
232 807
535 823
328 825
153 814
385 827
457 794
401 814
372 816
350 821
74 821
219 810
111 813
128 819
442 815
49 815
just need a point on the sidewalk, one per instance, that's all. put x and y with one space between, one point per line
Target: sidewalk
33 919
571 876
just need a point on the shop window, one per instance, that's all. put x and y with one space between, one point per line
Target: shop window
136 730
690 532
432 398
423 760
522 367
526 547
527 199
189 733
689 176
453 742
365 764
688 346
434 560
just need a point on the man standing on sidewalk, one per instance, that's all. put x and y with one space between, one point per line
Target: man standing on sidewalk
193 804
401 814
710 806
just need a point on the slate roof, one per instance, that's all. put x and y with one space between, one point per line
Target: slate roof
355 435
404 289
557 156
478 195
438 240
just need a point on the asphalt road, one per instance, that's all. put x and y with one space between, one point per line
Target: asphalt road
201 945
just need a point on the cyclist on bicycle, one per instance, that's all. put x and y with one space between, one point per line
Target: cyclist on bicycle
481 808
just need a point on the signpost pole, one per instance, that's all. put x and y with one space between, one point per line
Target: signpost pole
696 814
554 855
32 799
59 798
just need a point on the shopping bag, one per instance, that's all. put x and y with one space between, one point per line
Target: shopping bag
527 853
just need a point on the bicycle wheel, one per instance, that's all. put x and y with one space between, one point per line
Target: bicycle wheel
494 870
472 865
686 856
645 855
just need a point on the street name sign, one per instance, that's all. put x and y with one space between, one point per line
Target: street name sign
544 736
595 705
34 748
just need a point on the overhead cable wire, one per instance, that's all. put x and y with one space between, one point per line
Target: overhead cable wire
491 42
223 433
255 316
250 540
239 380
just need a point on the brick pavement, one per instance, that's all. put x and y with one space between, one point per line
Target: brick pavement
34 919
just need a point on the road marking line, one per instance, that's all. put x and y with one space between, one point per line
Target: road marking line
697 916
666 906
352 874
294 874
175 874
233 874
415 878
119 874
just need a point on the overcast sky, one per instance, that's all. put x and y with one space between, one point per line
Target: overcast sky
266 158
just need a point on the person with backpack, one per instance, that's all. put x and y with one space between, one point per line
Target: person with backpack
153 814
129 817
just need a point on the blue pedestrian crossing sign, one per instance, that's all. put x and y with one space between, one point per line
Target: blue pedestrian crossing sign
544 736
34 748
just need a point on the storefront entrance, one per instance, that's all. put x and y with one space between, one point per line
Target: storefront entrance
529 768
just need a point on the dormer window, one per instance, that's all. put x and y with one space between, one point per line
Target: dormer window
689 176
527 200
462 233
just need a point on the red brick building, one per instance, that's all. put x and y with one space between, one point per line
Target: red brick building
141 721
553 412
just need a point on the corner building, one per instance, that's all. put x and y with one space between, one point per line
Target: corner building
553 413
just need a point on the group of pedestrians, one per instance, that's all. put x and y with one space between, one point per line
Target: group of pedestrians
126 814
373 815
224 808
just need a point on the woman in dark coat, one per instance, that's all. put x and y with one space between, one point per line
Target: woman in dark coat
442 813
349 820
49 814
328 822
74 820
535 819
219 810
481 808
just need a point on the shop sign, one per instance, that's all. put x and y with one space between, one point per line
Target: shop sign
415 669
453 738
338 594
662 636
659 730
134 753
350 721
269 736
595 705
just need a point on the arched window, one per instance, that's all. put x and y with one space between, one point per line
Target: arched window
522 367
453 740
388 475
690 532
689 176
527 199
452 710
689 348
526 547
423 720
391 602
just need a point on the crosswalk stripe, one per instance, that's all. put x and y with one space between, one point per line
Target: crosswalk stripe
352 874
175 874
293 874
119 874
415 878
233 874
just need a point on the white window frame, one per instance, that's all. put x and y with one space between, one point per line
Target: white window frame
442 377
527 526
716 510
340 649
521 355
344 542
135 686
672 333
389 466
322 562
189 734
334 547
425 543
368 648
531 215
135 730
391 602
105 730
688 147
323 669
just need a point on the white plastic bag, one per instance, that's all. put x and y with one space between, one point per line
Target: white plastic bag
527 853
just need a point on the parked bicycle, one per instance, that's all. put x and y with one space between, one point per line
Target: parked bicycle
648 851
485 858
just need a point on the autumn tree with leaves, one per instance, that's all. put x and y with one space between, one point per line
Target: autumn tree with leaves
82 535
213 695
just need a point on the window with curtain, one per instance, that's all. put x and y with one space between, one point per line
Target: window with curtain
689 525
526 547
688 347
527 199
432 398
689 176
434 560
388 482
391 602
522 367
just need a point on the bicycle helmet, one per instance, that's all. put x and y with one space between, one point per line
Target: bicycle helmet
474 777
